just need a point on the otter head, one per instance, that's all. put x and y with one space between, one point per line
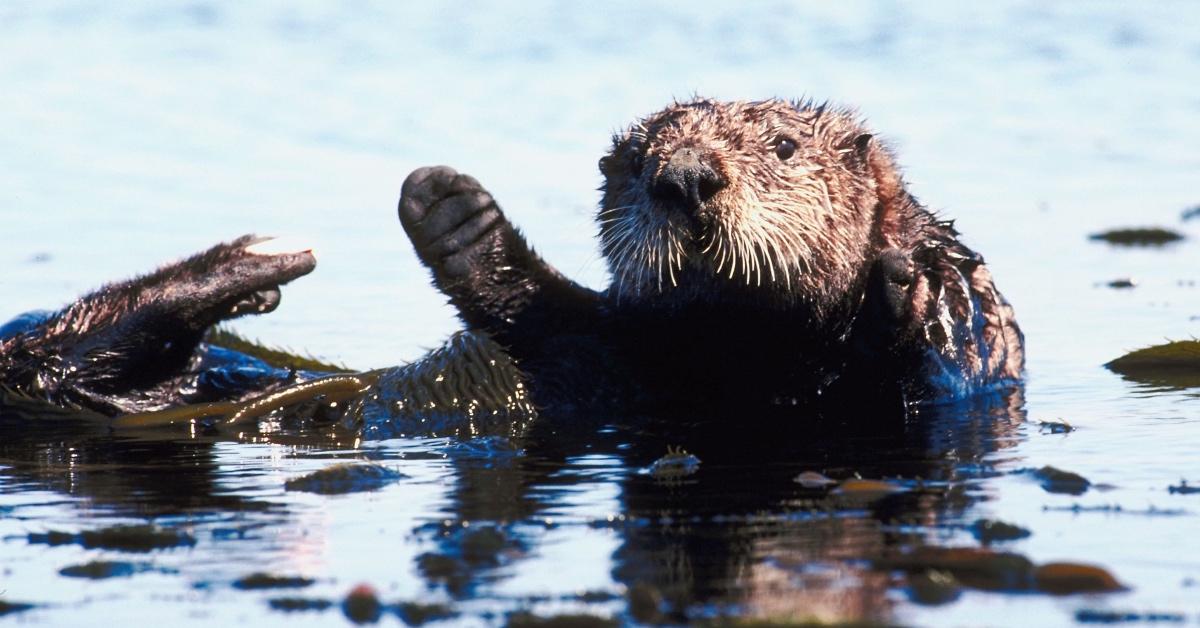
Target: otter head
769 202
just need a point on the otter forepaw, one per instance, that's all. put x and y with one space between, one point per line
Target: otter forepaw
884 320
479 259
895 274
451 219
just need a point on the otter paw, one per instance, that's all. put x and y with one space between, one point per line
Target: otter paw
896 270
450 218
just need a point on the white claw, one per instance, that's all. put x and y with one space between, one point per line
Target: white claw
280 246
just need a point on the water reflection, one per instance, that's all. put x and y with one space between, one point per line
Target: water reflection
740 536
148 476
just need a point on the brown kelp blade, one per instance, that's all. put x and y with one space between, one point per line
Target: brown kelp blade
1175 364
175 416
331 389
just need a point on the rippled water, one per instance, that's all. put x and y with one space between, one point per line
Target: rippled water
135 133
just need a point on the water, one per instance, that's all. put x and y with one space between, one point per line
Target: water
136 133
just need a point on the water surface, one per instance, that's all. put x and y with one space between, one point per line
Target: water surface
138 132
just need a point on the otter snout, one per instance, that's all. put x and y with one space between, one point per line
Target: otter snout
687 180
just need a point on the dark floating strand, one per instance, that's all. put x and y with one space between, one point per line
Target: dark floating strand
1138 236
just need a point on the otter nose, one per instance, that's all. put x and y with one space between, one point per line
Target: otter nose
687 180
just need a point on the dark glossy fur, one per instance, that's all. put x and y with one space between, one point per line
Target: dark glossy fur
136 345
747 271
764 255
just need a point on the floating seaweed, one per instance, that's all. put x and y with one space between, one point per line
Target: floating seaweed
128 538
418 614
989 570
1184 488
7 608
1055 480
989 531
101 569
345 478
299 604
1066 578
525 619
1175 364
279 358
262 580
1138 236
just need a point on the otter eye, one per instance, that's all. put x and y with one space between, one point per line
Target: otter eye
784 149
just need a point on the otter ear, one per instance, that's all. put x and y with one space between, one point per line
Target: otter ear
879 165
605 163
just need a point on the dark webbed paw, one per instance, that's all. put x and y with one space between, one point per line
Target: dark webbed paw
894 271
125 345
884 320
452 221
477 257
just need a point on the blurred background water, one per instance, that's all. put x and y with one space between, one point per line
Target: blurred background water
137 132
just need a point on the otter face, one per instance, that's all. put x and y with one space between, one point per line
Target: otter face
708 200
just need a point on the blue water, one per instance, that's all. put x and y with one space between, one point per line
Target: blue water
136 132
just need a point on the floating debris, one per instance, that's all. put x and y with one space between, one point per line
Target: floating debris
344 478
1068 578
860 490
814 480
1059 426
131 538
989 570
592 597
418 614
101 569
1121 283
678 463
933 587
975 567
483 545
989 531
294 604
279 358
448 570
1184 488
7 608
1118 509
1138 236
1175 363
645 603
1055 480
525 619
361 605
1095 616
261 580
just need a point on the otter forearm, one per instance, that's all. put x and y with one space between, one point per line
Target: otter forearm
478 259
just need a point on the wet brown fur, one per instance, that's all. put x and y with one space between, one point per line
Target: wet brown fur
798 234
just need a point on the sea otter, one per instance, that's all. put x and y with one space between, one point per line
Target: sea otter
136 345
760 252
764 255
